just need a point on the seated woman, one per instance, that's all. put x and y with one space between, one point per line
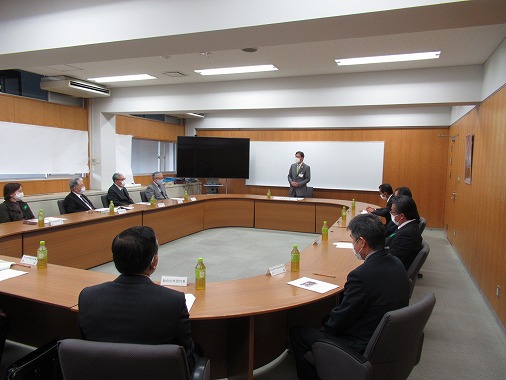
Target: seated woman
14 208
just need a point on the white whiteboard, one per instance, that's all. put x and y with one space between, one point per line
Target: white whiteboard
34 149
341 165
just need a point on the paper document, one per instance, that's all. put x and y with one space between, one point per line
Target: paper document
10 273
313 285
343 244
287 198
6 264
190 300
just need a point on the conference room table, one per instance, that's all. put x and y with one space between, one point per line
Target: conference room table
241 324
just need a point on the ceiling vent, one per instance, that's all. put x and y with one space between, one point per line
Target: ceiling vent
74 87
175 74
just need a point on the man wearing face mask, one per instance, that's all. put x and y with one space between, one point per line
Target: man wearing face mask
406 242
157 187
298 176
377 286
14 209
386 193
76 201
118 193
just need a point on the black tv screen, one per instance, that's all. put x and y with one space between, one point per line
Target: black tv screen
212 157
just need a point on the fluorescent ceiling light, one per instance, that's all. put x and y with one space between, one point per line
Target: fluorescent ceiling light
122 78
237 70
388 58
195 114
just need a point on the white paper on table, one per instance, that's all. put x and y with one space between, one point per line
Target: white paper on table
10 273
190 300
313 285
343 244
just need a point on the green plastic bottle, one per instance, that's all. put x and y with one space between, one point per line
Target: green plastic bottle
185 196
152 201
111 208
42 255
40 218
268 193
353 207
200 274
325 231
343 217
295 259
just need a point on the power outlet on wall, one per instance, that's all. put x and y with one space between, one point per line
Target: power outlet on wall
498 291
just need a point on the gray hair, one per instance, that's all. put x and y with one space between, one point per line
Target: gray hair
116 176
74 182
155 174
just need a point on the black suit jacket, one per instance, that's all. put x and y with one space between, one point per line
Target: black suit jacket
73 203
9 213
119 197
405 243
377 286
133 309
385 211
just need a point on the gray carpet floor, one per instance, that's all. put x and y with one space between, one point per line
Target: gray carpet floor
463 339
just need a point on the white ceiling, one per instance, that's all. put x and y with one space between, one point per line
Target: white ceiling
467 33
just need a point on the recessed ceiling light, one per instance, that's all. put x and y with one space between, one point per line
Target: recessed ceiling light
237 70
250 50
122 78
388 58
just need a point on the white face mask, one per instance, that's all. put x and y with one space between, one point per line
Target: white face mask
19 196
83 189
159 182
383 196
123 183
393 219
357 254
297 160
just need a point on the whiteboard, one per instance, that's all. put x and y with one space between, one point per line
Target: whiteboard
340 165
34 149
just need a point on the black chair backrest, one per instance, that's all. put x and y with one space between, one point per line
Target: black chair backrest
104 201
309 192
4 326
421 224
144 198
395 347
84 360
61 206
417 264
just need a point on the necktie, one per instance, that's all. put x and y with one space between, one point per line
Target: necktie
86 202
161 191
298 167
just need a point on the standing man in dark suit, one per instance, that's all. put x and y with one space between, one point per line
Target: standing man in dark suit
133 309
157 187
377 286
118 193
298 176
76 201
406 242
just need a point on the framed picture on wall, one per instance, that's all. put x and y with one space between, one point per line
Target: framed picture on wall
469 159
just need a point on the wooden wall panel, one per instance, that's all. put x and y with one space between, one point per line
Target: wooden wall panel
32 187
475 217
148 129
414 157
6 108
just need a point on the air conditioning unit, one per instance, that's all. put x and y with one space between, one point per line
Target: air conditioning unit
74 87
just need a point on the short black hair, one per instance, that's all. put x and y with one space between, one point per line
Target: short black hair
10 188
386 188
407 206
133 249
403 190
299 152
370 228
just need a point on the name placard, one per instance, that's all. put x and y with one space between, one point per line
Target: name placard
30 260
55 222
121 211
160 205
193 199
276 269
174 281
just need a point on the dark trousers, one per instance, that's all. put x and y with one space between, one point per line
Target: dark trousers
301 341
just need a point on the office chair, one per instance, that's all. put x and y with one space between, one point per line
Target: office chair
61 206
394 349
421 226
4 326
104 201
84 360
416 265
309 192
144 198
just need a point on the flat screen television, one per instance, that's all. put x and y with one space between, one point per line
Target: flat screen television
212 157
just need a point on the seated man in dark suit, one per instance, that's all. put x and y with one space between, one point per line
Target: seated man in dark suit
133 309
157 187
386 193
377 286
76 201
406 242
391 227
118 193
